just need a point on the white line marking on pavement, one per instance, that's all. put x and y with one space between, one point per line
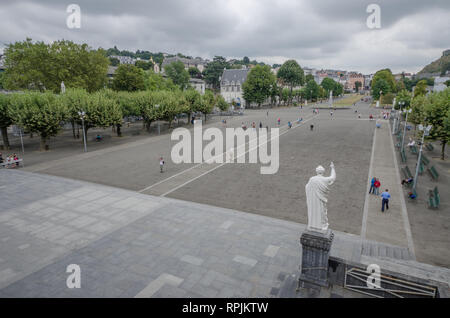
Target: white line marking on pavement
406 223
222 164
366 202
199 164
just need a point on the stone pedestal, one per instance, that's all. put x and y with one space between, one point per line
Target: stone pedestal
315 254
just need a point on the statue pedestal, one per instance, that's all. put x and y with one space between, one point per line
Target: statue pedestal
315 254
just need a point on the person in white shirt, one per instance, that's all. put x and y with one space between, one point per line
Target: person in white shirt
161 164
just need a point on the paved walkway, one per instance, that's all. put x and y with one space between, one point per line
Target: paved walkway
133 245
393 226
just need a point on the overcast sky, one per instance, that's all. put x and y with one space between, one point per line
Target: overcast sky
317 33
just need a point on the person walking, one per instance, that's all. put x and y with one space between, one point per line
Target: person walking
260 125
377 185
385 200
372 185
279 121
161 164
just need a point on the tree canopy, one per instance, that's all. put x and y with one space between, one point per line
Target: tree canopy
258 85
128 78
42 66
179 76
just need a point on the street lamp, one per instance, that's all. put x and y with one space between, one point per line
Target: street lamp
426 132
159 128
82 116
397 120
406 111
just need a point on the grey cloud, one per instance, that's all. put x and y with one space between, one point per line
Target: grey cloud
313 32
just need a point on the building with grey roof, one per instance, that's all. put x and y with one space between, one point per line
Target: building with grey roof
231 85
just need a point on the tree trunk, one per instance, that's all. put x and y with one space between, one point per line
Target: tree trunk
5 138
119 133
43 143
73 129
443 150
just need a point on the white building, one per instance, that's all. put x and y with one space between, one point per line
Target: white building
124 59
231 85
198 84
439 83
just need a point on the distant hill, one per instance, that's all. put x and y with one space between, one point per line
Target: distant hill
439 66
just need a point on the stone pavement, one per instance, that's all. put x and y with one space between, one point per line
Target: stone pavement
133 245
392 226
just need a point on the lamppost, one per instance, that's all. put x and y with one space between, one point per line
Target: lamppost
379 102
159 128
406 111
426 132
82 116
401 104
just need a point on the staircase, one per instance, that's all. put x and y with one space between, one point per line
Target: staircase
381 250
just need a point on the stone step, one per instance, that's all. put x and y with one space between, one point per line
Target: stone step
375 249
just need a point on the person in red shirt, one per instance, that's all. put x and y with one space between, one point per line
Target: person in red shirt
377 185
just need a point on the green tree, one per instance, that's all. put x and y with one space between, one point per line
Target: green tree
128 78
421 88
437 113
194 101
290 73
404 96
309 77
5 118
101 111
75 99
179 76
144 65
222 104
417 115
380 86
40 113
209 102
258 85
214 70
194 72
328 84
114 61
358 85
43 66
156 82
386 76
312 90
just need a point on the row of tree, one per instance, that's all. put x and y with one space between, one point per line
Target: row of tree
261 84
429 109
45 113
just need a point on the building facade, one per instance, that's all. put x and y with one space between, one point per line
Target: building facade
231 85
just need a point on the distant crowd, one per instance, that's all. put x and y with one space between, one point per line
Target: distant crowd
10 161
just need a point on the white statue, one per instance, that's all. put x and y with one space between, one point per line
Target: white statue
63 88
316 199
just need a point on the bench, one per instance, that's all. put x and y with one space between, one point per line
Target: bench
403 155
414 150
425 160
421 168
434 174
429 147
407 173
6 164
433 198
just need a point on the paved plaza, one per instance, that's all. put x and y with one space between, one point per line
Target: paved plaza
211 230
134 245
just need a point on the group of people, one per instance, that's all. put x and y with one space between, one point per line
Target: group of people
385 196
11 161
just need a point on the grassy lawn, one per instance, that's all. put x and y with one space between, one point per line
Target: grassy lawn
348 100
